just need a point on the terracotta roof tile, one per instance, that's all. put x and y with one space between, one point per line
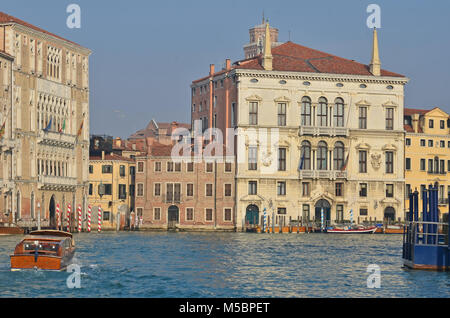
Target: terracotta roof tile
5 18
411 111
293 57
110 157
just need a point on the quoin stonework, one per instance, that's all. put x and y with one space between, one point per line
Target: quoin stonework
45 118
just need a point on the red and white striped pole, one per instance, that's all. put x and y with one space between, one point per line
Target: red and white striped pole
79 218
68 217
89 219
58 217
99 228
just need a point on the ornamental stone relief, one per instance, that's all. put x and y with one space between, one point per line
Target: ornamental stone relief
376 161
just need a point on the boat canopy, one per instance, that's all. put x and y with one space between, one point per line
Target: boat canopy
51 233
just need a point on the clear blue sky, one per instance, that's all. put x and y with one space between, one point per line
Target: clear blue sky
146 53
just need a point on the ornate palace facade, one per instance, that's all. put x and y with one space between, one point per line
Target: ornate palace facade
335 138
45 145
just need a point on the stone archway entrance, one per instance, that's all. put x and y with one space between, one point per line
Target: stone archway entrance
252 215
323 205
173 217
389 214
52 214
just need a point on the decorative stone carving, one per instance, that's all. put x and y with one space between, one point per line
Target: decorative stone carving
376 160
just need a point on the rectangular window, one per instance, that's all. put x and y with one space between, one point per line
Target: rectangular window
281 188
389 118
228 190
389 162
407 190
430 143
209 167
252 158
363 212
157 166
339 189
132 170
362 117
363 189
122 191
140 189
422 142
442 124
362 161
252 188
408 163
157 214
178 166
281 211
140 166
305 189
281 159
227 215
253 113
122 171
189 214
339 212
107 169
430 165
389 190
91 169
422 164
227 166
190 167
169 166
408 141
190 190
209 190
157 190
442 144
442 166
209 215
106 215
282 114
108 189
305 212
431 123
90 188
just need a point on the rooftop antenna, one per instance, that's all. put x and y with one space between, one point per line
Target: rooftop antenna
289 35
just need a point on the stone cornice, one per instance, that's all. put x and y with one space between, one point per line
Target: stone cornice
322 77
50 38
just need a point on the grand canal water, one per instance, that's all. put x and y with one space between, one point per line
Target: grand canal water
226 265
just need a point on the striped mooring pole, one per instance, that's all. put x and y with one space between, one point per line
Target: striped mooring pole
89 219
265 221
68 217
79 218
58 217
99 228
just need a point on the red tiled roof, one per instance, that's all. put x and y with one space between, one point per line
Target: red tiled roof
111 157
293 57
5 18
411 111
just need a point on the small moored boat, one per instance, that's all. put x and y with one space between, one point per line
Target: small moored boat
47 250
357 230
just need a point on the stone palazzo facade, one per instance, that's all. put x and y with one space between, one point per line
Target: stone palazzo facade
330 136
45 107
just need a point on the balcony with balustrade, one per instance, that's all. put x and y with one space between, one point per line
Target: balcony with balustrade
323 131
322 174
57 183
52 138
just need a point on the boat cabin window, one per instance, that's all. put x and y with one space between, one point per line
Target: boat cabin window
42 246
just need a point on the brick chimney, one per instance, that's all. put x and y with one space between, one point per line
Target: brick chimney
415 122
228 64
211 69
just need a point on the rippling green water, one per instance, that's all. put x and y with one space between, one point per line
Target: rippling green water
226 265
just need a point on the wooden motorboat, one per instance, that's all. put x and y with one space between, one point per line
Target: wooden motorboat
47 250
7 228
355 230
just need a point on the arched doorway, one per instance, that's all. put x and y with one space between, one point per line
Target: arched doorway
252 215
173 215
389 214
51 209
323 205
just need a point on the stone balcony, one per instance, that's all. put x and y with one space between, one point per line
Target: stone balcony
323 131
52 138
322 174
57 183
